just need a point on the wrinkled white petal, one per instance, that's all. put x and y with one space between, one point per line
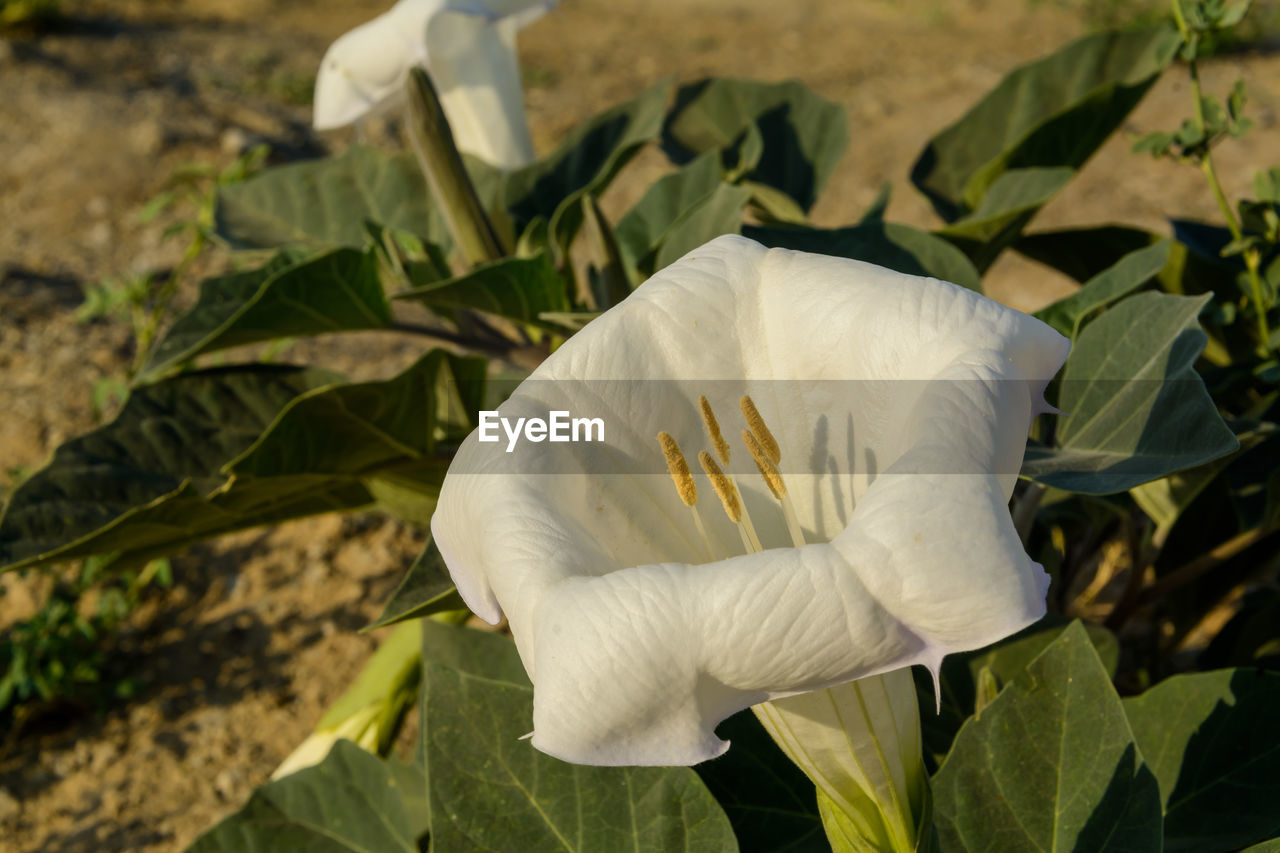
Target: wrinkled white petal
638 647
468 48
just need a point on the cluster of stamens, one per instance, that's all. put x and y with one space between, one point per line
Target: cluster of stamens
766 453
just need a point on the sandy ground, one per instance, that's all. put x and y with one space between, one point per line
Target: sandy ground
260 633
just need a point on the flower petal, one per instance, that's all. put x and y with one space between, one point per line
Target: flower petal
902 406
365 69
473 64
469 49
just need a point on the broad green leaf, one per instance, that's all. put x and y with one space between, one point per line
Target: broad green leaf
395 436
326 202
769 801
351 802
772 206
1009 204
585 162
147 477
889 244
717 214
1082 253
610 278
1165 499
879 205
334 292
1136 408
1212 741
210 452
1049 765
521 289
1116 281
1269 846
491 790
426 589
803 134
1050 114
643 228
1003 661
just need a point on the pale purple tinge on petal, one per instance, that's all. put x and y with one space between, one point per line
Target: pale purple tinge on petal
637 647
467 47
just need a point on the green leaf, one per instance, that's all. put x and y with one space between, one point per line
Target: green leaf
148 477
643 228
325 203
585 162
1082 253
879 205
1212 741
803 134
336 292
1136 408
1049 765
520 289
1269 846
351 801
1021 142
889 244
717 214
427 588
491 790
1004 661
769 801
210 452
1126 275
1009 204
1165 499
396 436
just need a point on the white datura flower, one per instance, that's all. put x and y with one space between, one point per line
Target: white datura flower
889 411
469 49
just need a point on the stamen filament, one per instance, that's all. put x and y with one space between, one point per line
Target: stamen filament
757 426
713 431
702 531
732 501
773 479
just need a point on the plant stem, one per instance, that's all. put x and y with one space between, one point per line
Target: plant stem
1189 572
1178 19
1251 257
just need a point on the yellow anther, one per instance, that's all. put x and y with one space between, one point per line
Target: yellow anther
768 470
679 469
727 492
756 424
713 430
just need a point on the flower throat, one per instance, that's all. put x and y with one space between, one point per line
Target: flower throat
766 453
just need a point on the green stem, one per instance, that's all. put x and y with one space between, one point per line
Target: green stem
1179 19
1251 258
